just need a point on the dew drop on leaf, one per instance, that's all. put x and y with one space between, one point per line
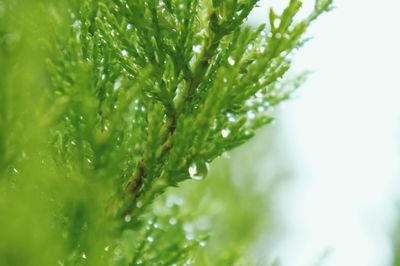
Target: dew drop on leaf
197 48
231 61
226 155
128 218
117 84
124 53
172 221
192 170
139 204
225 132
198 171
277 23
251 115
189 236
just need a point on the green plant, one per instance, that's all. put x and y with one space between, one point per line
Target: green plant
135 98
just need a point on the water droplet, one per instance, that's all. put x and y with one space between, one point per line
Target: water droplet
117 84
251 115
156 225
84 256
107 248
15 171
188 227
277 23
174 200
128 218
259 94
197 48
150 239
226 155
139 204
230 117
150 222
231 61
202 244
189 236
260 109
77 24
129 26
225 80
225 132
124 53
88 160
198 171
172 221
193 170
250 47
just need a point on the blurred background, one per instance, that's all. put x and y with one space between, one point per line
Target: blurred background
341 138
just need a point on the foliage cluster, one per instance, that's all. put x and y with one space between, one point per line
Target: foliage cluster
104 105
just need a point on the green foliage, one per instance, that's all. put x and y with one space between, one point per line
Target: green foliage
134 97
395 235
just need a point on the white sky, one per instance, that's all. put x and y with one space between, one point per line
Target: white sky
343 137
